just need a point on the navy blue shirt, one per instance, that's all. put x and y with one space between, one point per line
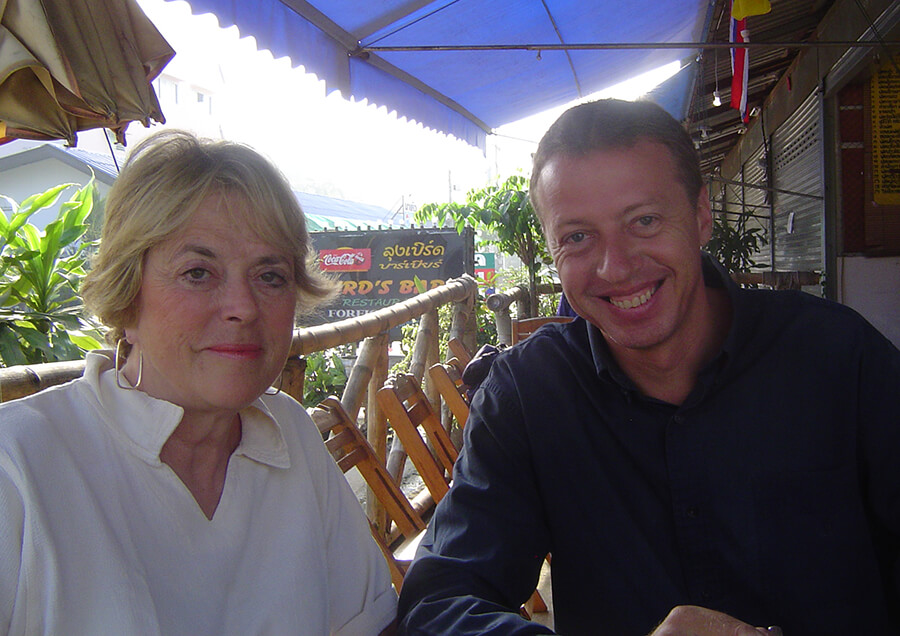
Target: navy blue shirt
771 494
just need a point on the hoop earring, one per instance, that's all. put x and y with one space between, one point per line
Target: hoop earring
269 391
118 368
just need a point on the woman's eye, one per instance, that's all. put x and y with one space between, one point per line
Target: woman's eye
273 278
196 274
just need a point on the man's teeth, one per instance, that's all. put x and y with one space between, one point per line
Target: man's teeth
637 301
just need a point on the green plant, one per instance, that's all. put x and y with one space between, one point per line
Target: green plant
734 244
40 311
325 375
504 216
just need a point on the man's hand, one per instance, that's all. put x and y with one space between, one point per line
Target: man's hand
687 620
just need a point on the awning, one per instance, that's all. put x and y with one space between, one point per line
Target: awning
70 65
464 67
327 213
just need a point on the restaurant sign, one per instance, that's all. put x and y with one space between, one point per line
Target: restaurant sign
379 268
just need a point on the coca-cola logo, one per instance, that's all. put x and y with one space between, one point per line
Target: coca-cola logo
346 259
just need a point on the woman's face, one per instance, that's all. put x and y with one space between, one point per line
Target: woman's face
215 312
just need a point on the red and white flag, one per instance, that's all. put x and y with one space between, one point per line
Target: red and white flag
740 66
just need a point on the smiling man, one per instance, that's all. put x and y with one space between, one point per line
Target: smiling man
697 458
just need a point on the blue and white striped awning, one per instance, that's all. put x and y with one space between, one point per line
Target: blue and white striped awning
465 67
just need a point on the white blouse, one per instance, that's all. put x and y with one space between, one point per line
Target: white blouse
98 536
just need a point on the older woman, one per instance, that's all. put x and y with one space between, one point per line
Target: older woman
169 491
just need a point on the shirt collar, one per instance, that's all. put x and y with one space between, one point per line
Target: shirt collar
144 423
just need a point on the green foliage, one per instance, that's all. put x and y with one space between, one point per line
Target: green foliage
325 375
734 244
40 312
504 216
485 322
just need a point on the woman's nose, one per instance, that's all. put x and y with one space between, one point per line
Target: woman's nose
239 302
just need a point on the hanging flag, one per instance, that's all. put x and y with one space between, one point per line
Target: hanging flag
740 67
742 8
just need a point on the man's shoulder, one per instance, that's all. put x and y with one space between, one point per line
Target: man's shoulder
801 320
555 350
805 309
552 342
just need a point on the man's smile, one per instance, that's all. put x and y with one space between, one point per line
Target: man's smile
634 300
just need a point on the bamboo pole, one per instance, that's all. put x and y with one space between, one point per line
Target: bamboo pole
357 383
19 381
427 332
500 303
376 432
293 377
321 337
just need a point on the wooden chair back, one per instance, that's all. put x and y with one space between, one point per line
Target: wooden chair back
407 408
349 448
459 351
523 328
447 379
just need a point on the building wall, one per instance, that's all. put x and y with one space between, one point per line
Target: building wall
21 182
871 286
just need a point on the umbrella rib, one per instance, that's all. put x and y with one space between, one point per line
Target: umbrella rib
562 41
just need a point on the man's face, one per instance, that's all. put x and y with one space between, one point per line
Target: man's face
626 241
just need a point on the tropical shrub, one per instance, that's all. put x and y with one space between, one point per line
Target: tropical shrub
733 243
325 375
41 315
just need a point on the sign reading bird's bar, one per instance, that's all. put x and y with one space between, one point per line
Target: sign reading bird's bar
379 268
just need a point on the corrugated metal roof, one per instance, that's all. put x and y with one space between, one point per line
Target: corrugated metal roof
717 129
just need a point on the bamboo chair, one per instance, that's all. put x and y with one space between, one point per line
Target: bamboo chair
406 407
523 328
459 351
349 448
447 379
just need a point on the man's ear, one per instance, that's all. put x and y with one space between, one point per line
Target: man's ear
704 217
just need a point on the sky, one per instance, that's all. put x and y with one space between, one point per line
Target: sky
326 144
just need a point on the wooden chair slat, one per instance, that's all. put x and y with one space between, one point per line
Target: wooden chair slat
523 328
350 448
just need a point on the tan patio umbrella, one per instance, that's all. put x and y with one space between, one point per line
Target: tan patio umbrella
70 65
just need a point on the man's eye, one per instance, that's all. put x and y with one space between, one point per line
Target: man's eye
646 221
576 237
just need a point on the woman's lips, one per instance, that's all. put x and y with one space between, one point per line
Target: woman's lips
236 350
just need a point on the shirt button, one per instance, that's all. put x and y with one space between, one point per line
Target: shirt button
692 512
678 419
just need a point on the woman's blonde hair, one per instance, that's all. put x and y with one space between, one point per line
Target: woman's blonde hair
166 177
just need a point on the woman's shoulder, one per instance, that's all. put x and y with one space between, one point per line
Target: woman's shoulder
54 405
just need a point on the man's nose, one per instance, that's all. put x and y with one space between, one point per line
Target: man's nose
616 261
